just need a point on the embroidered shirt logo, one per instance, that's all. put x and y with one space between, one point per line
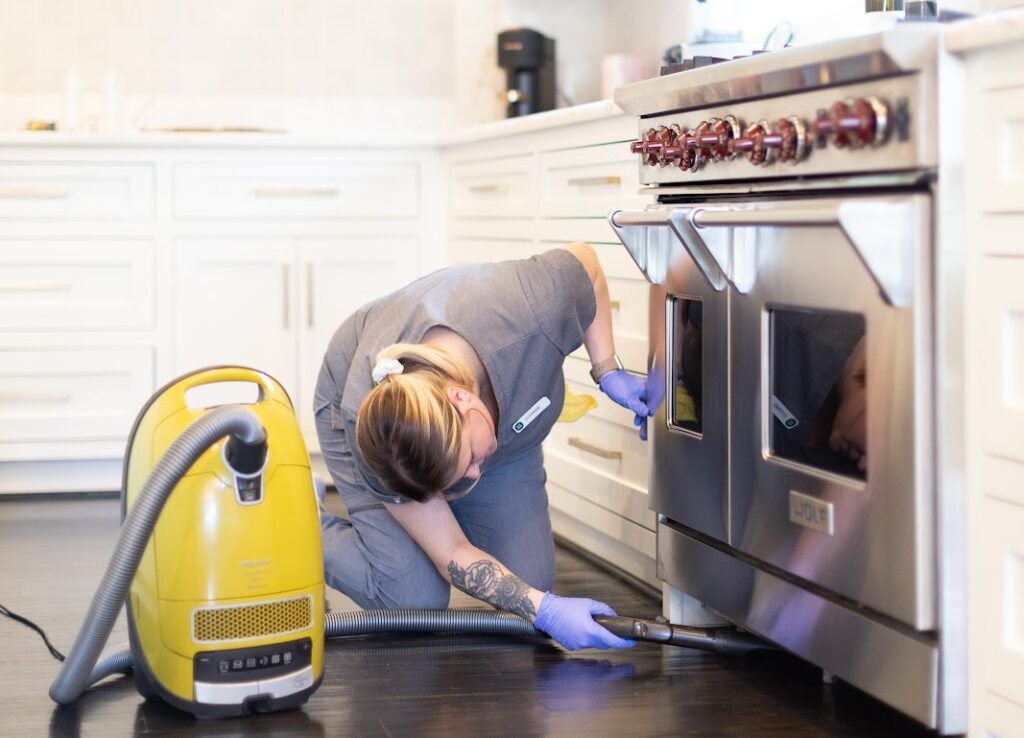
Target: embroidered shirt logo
529 415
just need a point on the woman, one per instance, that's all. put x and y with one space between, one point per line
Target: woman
449 385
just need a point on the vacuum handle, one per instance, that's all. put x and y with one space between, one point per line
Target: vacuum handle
270 388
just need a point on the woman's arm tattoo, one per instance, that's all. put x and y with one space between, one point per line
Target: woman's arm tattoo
487 581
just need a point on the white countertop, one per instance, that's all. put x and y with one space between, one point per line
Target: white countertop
990 29
351 140
529 123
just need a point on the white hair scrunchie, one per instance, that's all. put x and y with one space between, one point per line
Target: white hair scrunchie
385 367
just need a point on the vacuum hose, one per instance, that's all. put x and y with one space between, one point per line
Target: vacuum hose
80 670
77 673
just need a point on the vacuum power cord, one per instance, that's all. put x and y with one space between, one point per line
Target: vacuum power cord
25 621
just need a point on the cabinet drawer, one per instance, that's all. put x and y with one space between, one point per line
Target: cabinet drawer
602 445
1001 166
480 250
81 191
54 396
998 596
589 181
608 492
66 285
314 189
496 188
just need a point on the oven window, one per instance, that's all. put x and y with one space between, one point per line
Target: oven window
687 334
818 400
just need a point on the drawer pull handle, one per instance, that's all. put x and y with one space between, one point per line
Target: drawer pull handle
286 295
35 193
310 276
295 192
590 448
34 396
488 189
613 179
35 286
614 304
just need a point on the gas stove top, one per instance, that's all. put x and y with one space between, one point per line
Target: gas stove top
860 105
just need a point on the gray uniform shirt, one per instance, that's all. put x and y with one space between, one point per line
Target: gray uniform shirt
522 318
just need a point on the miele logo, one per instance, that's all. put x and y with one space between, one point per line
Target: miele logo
252 563
810 512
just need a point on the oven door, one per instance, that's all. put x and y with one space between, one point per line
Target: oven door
831 367
687 378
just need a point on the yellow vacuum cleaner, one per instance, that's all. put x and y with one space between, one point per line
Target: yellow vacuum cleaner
226 605
220 568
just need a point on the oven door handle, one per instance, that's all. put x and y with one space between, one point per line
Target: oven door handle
886 235
655 254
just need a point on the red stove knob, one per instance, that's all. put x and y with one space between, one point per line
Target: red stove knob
713 138
687 144
651 147
792 135
858 122
758 143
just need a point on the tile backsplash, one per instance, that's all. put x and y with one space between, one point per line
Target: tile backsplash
301 65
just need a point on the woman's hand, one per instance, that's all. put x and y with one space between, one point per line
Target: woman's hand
569 620
629 391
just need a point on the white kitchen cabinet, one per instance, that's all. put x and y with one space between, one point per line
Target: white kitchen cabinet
79 284
273 304
129 261
60 404
76 190
993 213
520 195
338 276
236 302
296 188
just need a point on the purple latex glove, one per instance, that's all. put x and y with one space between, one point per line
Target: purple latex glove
630 391
568 620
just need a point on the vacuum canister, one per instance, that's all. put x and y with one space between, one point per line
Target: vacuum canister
226 610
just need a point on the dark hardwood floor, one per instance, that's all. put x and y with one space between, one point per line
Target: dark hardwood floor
52 553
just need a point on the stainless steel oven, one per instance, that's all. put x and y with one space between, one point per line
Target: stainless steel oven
795 321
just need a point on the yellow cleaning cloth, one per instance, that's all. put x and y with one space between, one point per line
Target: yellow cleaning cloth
575 406
686 408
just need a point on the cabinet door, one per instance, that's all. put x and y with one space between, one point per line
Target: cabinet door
235 302
340 275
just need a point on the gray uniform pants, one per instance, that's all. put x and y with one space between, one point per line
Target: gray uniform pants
371 559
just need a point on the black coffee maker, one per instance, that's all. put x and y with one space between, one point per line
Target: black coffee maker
528 58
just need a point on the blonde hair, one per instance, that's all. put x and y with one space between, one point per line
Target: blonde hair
407 431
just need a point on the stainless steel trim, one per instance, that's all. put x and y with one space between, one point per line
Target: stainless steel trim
906 48
34 193
295 191
792 186
594 181
594 449
893 665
